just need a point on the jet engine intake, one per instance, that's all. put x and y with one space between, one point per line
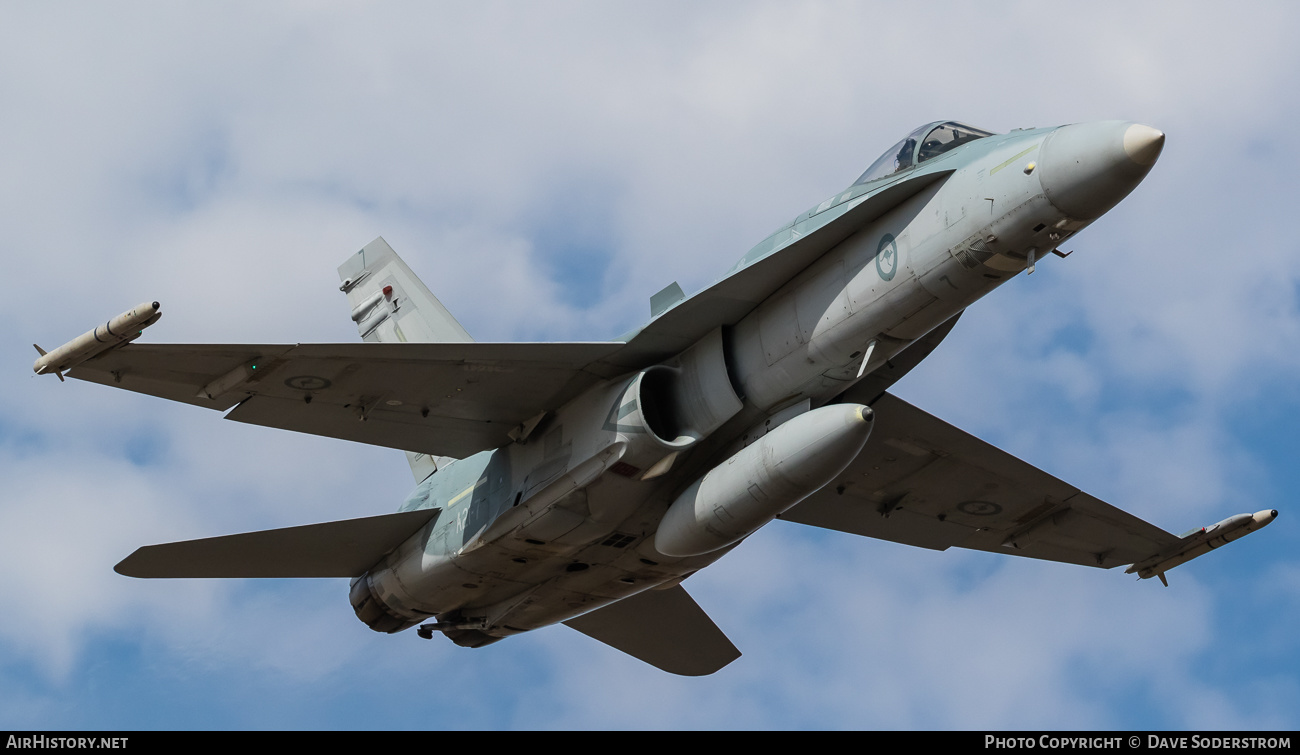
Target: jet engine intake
764 479
656 399
670 407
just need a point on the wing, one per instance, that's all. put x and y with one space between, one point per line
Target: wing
920 481
333 549
448 399
665 628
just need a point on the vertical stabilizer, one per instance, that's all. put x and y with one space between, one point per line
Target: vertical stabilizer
391 305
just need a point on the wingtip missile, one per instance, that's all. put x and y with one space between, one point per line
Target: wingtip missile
122 329
1201 541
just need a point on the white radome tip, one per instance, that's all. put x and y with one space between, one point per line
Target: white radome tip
1142 144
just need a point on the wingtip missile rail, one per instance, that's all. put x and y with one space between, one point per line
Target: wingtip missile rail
120 330
1201 541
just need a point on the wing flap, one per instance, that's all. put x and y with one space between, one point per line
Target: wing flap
920 481
665 628
445 399
344 548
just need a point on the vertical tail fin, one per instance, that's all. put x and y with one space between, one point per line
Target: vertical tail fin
391 305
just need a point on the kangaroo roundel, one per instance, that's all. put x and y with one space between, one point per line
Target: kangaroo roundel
887 257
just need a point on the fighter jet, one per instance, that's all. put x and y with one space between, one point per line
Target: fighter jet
582 483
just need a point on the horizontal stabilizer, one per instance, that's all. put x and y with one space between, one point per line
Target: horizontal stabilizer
665 628
345 548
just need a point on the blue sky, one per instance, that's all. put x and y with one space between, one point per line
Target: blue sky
546 168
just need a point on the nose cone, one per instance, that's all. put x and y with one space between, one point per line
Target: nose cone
1142 144
1087 168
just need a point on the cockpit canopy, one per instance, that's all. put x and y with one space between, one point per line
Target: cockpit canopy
928 141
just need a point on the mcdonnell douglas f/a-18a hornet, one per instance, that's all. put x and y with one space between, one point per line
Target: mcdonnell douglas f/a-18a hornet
583 482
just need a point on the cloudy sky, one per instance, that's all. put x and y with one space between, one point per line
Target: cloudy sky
546 167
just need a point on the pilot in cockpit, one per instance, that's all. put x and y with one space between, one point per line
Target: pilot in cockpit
903 160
